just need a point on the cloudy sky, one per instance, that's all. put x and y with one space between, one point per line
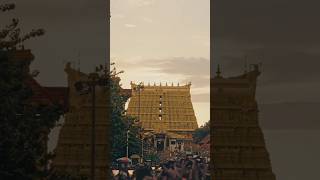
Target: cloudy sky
284 36
164 41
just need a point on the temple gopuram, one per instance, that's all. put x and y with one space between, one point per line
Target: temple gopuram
166 111
238 148
73 151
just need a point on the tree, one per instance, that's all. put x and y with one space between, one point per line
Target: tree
23 126
201 132
121 122
10 36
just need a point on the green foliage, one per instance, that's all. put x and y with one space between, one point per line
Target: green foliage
7 7
154 157
201 132
23 127
10 36
120 122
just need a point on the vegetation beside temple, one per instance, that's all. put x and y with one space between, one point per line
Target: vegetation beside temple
24 124
10 37
121 122
201 132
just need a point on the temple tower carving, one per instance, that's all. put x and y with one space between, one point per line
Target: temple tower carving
238 146
167 112
73 152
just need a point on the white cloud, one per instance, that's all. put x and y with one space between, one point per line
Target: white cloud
118 16
141 3
177 70
148 20
197 36
130 25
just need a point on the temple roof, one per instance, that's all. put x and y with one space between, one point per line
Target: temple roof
39 94
243 78
179 136
162 86
47 95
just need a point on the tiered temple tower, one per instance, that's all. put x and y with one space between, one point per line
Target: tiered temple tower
73 152
238 148
167 112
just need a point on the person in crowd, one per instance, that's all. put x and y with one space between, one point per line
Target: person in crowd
144 173
123 172
172 171
188 168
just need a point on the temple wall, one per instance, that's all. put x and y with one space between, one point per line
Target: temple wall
164 109
73 152
238 147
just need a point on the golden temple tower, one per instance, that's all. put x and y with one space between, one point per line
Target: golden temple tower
238 149
73 152
167 112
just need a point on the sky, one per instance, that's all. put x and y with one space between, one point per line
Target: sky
164 41
284 36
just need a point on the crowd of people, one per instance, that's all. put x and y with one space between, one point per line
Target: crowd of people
188 168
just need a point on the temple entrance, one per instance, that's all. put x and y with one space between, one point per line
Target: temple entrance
160 139
160 145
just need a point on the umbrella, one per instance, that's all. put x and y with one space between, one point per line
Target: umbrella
124 160
135 156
